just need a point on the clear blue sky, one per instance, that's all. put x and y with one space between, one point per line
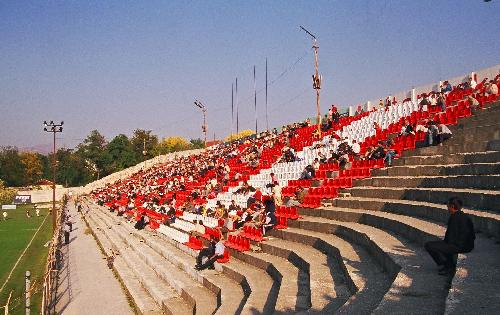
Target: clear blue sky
117 65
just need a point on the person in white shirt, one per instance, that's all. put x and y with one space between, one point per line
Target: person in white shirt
4 215
356 148
444 133
213 252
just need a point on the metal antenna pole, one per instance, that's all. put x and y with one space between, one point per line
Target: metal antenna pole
316 77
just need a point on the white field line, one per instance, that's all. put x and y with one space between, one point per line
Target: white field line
24 252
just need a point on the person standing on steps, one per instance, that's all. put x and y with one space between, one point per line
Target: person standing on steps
459 238
67 229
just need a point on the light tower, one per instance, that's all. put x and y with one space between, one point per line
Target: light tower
316 78
54 128
204 127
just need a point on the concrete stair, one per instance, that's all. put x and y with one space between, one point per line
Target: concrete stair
358 281
404 262
165 296
194 293
362 255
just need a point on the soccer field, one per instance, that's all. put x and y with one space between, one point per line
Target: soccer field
15 235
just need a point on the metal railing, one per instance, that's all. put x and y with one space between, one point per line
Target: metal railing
54 260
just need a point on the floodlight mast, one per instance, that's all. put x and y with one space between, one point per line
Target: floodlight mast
204 128
316 78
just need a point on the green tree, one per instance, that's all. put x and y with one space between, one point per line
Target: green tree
172 144
121 152
140 138
93 150
72 169
6 194
197 143
33 168
11 168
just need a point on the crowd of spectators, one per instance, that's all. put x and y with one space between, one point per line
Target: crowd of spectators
186 183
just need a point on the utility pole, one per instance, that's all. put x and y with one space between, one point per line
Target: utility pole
54 128
316 78
204 127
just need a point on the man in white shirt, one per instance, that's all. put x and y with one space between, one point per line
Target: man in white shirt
218 252
356 148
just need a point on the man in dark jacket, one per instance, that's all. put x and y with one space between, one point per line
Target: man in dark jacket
459 238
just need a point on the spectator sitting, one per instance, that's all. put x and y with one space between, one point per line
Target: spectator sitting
233 206
446 87
322 158
424 103
432 132
444 133
213 252
474 104
491 88
441 102
407 129
139 225
355 148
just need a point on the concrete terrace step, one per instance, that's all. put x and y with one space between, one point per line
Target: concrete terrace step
144 302
477 272
475 288
439 170
326 293
475 134
472 198
261 291
457 147
164 295
355 283
485 222
488 182
294 293
201 299
232 296
459 158
417 289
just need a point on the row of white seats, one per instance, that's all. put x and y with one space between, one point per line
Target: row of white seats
183 225
207 221
174 234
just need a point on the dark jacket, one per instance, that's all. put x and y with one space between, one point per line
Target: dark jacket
460 232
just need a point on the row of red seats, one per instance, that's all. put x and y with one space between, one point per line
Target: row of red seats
311 202
238 243
300 182
194 243
282 223
287 212
254 234
323 192
338 182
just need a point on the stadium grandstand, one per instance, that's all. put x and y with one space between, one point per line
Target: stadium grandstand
317 219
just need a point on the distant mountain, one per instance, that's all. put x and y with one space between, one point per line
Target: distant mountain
40 148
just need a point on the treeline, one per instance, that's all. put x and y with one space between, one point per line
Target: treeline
92 159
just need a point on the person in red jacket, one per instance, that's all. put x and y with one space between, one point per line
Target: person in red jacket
459 238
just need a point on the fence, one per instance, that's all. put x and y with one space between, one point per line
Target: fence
53 263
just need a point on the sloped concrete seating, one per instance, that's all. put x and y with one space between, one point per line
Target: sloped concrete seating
408 202
362 255
244 288
229 294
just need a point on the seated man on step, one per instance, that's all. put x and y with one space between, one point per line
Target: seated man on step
210 254
459 238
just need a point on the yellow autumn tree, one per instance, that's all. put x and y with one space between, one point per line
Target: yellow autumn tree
171 144
239 135
33 168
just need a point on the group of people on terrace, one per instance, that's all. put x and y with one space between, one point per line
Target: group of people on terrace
186 183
